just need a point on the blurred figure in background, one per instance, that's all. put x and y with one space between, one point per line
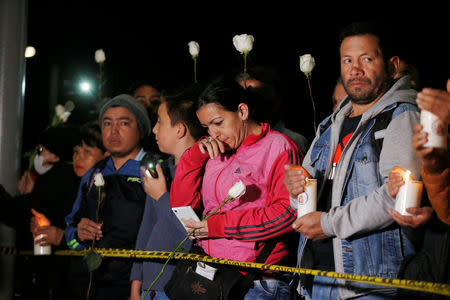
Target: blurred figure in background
266 83
148 93
339 94
52 194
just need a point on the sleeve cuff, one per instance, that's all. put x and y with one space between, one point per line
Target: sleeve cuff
162 205
435 179
327 227
216 226
194 153
136 271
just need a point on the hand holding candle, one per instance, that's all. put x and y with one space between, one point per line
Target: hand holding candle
436 129
307 201
41 221
295 179
409 194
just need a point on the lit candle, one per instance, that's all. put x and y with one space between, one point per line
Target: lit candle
307 201
409 194
41 221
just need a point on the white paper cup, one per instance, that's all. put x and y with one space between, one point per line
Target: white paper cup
409 195
41 250
307 201
436 129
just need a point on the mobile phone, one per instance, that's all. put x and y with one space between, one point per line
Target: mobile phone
184 214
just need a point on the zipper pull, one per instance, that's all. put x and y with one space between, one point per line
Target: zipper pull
333 168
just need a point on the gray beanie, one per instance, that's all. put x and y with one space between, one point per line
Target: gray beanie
136 108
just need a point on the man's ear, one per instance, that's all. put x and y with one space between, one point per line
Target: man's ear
243 111
181 130
394 66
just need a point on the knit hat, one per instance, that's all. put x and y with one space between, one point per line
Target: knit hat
137 109
60 141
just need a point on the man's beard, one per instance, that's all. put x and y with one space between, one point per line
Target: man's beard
358 96
121 154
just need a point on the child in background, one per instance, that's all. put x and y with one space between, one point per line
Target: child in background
176 130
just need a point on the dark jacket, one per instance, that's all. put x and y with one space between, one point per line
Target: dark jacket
39 277
160 230
432 262
53 195
120 211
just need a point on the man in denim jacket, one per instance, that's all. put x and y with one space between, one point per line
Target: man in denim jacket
352 231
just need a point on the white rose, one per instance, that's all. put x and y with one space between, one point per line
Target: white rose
307 63
100 56
194 48
65 116
69 106
59 110
98 180
237 190
243 43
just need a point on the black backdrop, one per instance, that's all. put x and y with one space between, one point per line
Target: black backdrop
150 41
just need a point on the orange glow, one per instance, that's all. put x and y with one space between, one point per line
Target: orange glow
40 218
403 172
301 169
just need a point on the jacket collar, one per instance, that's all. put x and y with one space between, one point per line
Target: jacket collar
253 138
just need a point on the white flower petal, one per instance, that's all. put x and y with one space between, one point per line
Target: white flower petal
194 48
243 43
237 190
65 116
307 63
100 56
59 110
98 180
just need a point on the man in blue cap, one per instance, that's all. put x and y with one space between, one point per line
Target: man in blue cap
111 218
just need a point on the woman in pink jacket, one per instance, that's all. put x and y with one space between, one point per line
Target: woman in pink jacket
239 148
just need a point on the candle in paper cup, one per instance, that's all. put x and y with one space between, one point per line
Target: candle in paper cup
307 201
409 195
436 129
41 250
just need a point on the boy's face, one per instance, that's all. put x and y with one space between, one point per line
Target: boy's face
120 132
165 134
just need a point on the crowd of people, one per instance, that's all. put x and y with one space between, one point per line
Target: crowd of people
89 182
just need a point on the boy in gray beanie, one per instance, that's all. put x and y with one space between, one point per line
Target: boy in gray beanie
136 108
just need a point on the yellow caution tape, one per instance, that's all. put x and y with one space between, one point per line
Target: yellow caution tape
423 286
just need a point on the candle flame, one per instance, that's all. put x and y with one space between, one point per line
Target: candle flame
407 175
300 168
40 218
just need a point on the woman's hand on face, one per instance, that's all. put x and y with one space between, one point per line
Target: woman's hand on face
212 146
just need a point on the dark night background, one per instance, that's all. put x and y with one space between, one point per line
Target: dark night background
150 41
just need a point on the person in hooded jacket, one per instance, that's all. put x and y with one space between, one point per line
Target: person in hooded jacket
351 157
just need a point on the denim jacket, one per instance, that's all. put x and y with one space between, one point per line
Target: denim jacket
366 241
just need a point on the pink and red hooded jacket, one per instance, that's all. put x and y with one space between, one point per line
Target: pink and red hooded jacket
241 227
